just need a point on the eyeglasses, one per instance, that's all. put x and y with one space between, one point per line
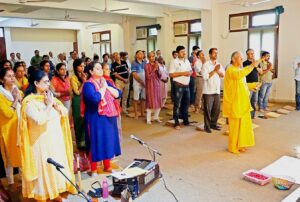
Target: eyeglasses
46 81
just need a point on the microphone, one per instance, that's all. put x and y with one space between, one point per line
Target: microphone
51 161
137 139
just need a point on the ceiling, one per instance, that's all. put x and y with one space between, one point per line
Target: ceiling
84 10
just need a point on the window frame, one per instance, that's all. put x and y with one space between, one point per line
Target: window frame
103 41
189 22
250 28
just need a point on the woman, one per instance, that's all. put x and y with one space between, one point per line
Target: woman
87 61
45 66
46 134
153 88
21 80
61 85
164 79
77 81
100 118
6 64
10 99
236 104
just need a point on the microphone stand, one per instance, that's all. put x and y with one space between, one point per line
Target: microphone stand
154 151
74 185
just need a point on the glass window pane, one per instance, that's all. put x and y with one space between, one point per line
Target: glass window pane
268 43
192 42
105 37
151 45
102 48
255 43
152 31
108 48
196 27
264 19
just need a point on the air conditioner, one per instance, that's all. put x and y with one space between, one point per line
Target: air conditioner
180 29
141 33
239 22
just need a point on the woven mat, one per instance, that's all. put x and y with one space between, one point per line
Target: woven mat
288 107
272 115
283 111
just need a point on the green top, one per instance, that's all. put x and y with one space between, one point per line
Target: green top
35 61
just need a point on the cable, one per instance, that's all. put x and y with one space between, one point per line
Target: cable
165 184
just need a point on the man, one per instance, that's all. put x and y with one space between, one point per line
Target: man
236 104
180 71
13 59
296 68
212 73
36 59
158 53
73 56
174 56
96 58
60 59
252 77
120 74
138 73
193 59
83 55
51 57
266 79
105 58
199 80
19 59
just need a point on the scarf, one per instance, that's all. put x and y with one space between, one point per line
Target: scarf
28 164
107 106
10 97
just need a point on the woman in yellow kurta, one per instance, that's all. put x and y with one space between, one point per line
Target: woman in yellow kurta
46 134
236 105
10 98
21 80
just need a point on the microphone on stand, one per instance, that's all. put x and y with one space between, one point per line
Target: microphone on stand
137 139
57 165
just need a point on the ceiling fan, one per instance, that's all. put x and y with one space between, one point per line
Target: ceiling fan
109 11
39 1
248 3
68 17
33 24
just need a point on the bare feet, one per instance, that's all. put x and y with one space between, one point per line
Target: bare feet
242 149
234 151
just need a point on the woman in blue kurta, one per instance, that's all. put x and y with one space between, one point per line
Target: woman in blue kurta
100 118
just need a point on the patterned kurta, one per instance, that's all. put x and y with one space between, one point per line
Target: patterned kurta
153 87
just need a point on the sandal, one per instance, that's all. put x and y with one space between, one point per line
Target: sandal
97 193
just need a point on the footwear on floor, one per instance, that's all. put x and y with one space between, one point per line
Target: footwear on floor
207 130
216 128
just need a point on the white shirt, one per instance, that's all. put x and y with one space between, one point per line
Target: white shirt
211 85
296 68
70 67
178 65
198 67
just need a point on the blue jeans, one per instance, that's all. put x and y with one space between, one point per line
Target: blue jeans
192 90
297 95
253 101
263 96
181 103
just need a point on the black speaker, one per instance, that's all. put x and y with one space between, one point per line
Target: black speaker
279 10
158 26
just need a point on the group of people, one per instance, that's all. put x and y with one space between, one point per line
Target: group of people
42 101
35 119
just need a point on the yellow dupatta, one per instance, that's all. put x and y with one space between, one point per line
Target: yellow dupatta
29 170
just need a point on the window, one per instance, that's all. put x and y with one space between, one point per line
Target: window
102 42
262 28
149 34
192 30
264 19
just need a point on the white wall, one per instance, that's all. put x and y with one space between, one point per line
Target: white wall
283 88
26 40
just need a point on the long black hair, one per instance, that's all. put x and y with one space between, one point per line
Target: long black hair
36 75
3 72
5 61
42 64
76 63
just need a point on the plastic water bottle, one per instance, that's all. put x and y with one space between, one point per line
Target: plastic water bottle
105 190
